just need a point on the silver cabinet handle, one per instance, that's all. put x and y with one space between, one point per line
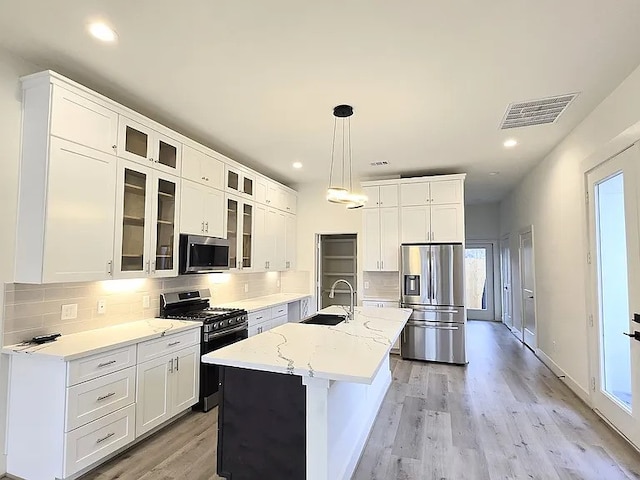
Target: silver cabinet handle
177 364
153 267
104 397
171 366
206 227
266 265
110 268
382 264
378 264
203 178
173 344
259 318
106 364
149 267
151 159
202 227
106 437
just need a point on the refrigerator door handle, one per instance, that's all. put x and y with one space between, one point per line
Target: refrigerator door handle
418 308
428 325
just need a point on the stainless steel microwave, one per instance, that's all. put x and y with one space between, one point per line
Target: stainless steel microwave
203 254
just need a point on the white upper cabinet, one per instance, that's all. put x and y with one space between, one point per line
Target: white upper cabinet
371 239
66 203
240 232
279 234
202 210
273 195
240 181
291 202
202 168
142 144
381 196
447 223
291 242
146 222
381 244
83 121
415 194
446 191
415 224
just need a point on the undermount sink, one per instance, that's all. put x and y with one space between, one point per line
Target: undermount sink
324 319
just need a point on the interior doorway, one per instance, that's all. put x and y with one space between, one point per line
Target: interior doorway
337 259
478 267
527 282
614 243
505 279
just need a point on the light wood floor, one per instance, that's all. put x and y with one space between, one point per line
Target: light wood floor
504 416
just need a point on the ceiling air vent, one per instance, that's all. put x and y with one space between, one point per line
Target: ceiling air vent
379 164
536 112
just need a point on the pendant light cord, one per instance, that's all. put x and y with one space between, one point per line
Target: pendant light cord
350 159
333 149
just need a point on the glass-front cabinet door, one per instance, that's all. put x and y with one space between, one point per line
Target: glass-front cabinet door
240 233
165 245
133 212
141 144
239 182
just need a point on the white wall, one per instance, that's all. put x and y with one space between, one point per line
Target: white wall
551 198
316 215
11 68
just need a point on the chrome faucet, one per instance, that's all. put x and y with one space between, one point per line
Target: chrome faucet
353 295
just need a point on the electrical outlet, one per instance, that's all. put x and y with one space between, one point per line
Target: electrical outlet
102 306
145 301
246 288
366 285
278 283
69 312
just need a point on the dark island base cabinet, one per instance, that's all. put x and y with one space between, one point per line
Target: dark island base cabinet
261 426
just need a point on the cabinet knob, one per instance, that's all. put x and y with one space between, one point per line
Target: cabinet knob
151 159
203 178
115 147
207 179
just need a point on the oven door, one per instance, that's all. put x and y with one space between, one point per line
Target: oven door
210 374
203 254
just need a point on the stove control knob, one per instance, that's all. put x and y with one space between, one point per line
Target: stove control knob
215 325
231 320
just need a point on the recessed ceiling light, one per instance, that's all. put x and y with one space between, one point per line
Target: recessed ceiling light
493 174
103 32
512 142
297 165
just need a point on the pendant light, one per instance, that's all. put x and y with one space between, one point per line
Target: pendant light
341 154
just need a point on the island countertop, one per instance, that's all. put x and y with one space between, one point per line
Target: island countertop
350 351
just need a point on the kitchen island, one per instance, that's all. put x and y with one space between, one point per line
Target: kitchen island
299 401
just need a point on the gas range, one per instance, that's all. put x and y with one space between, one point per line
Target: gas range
194 305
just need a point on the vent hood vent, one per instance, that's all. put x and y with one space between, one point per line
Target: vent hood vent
379 164
536 112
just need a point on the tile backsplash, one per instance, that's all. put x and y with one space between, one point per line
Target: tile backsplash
31 310
382 285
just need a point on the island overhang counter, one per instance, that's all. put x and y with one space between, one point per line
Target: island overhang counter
299 400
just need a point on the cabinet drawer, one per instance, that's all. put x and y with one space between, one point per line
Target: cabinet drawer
96 398
171 343
261 316
90 443
280 310
100 364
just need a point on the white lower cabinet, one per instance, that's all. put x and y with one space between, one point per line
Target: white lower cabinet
89 443
384 304
166 386
74 414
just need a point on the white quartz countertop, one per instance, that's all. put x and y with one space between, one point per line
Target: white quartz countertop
259 303
78 345
351 352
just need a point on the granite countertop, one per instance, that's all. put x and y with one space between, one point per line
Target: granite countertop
259 303
78 345
351 352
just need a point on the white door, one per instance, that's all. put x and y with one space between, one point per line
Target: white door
388 196
80 214
389 239
135 142
447 191
447 223
280 242
291 242
505 276
185 379
527 275
214 213
153 393
478 268
373 196
191 208
260 232
167 154
371 239
615 293
415 224
414 194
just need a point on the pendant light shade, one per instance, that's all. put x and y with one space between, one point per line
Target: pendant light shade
341 172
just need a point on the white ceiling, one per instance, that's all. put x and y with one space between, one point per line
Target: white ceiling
429 80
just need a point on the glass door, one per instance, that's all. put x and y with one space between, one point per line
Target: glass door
505 276
478 268
168 153
165 216
132 220
615 278
247 235
135 141
232 232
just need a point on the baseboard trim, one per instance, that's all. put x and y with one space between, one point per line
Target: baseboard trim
564 377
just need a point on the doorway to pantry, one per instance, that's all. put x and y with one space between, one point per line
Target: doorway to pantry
337 259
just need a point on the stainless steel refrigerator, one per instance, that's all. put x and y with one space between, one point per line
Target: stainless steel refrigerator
432 282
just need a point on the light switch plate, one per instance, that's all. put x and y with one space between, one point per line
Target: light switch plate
366 285
278 283
102 306
246 288
145 301
69 312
